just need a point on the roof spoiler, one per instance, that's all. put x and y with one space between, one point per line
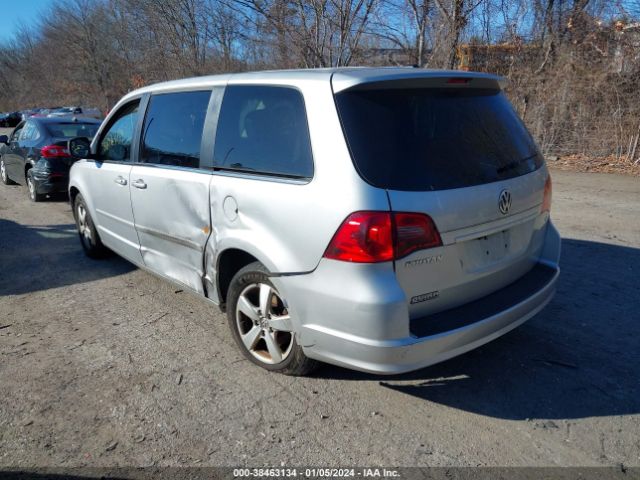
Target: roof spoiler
357 80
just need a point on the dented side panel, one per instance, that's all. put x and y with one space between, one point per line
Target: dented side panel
172 220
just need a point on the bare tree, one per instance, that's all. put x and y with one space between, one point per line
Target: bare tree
573 65
225 32
405 25
322 32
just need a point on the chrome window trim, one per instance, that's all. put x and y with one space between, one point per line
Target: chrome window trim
173 167
260 176
215 171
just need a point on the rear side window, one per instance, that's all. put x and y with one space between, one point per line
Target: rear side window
29 132
173 129
263 129
435 139
70 130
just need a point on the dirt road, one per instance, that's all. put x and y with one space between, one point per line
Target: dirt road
103 364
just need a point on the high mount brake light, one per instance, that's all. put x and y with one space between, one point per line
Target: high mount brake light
373 237
458 80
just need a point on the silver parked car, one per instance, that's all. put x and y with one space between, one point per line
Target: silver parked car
75 112
379 219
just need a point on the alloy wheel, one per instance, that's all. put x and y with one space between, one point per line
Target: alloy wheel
3 171
264 324
83 224
32 188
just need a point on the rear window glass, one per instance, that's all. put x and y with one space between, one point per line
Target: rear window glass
435 139
70 130
263 129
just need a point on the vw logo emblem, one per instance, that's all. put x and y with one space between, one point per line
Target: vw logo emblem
504 201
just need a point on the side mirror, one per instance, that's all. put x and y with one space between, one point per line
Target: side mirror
79 147
4 139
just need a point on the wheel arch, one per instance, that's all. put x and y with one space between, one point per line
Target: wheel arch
27 166
78 186
73 193
229 262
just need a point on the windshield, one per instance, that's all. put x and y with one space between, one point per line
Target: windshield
70 130
435 139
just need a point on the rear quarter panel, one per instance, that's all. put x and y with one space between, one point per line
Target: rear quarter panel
287 224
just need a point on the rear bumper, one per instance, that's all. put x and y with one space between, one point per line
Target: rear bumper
361 321
47 182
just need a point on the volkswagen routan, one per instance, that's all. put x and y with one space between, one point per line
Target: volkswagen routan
380 219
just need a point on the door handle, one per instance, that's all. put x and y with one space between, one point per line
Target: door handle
120 180
139 184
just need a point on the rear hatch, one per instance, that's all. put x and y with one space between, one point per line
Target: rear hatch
455 150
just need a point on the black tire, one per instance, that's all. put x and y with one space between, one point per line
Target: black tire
4 175
31 189
295 362
89 238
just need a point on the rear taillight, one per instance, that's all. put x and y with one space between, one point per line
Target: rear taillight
371 237
414 231
54 151
364 237
546 199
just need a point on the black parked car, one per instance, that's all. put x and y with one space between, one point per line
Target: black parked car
36 153
10 119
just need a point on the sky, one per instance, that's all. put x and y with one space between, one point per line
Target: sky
15 12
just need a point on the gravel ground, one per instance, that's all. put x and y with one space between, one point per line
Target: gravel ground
103 364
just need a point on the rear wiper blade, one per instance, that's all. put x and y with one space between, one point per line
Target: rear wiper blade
514 164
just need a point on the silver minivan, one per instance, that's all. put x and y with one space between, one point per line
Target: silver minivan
381 219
